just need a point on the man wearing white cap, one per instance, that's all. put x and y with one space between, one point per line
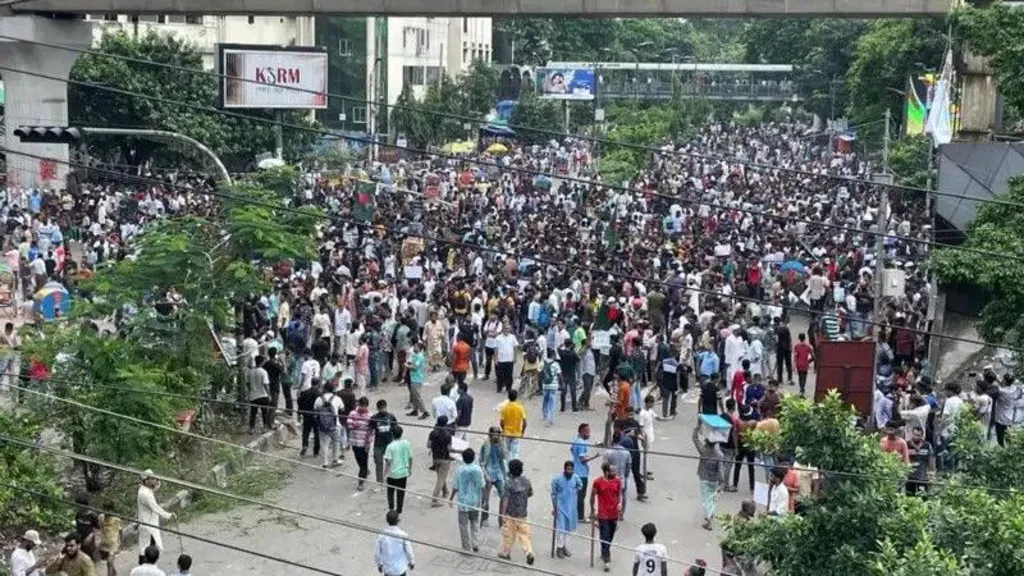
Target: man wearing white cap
149 514
23 561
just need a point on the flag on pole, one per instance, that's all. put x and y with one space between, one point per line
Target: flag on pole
940 121
363 206
915 113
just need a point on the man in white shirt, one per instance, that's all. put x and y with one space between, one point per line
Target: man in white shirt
444 405
505 357
310 369
149 514
646 419
778 495
23 561
393 552
651 558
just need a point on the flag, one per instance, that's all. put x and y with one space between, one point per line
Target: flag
914 114
363 206
940 122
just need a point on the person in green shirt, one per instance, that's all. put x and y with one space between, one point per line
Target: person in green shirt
72 561
397 466
579 339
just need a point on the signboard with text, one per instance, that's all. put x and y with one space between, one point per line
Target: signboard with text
271 77
566 83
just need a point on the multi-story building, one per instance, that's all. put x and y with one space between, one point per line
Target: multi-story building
370 59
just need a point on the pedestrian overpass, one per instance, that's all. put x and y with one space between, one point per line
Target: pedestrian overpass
496 8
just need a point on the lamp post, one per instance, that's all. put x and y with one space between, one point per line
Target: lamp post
636 73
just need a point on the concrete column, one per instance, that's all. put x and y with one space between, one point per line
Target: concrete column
34 101
979 110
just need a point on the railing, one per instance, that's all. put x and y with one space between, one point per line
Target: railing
717 91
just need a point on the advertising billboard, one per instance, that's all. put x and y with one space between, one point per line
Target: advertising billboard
271 77
566 83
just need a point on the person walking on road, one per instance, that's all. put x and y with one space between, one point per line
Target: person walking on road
564 490
397 467
417 365
513 423
581 466
709 474
492 460
607 494
440 443
394 552
518 492
327 407
359 437
468 488
149 513
382 427
651 558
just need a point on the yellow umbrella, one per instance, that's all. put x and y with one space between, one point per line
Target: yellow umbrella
497 148
463 147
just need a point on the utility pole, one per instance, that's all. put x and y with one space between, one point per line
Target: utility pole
883 226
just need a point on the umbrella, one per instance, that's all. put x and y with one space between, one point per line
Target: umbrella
542 182
464 147
51 300
793 266
497 148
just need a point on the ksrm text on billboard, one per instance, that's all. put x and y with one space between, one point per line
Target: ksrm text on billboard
566 83
266 77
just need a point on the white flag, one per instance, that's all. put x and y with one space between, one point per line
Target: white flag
940 123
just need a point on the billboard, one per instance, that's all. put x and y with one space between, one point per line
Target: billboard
270 77
566 83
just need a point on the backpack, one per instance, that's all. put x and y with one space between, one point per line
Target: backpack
532 352
544 317
296 335
326 419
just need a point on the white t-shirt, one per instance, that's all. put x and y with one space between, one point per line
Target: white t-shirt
650 558
147 570
778 500
646 420
310 369
505 347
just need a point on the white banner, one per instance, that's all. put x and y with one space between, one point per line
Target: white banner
273 79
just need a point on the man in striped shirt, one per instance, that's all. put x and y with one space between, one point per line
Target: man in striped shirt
359 437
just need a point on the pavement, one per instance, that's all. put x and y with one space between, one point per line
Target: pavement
674 506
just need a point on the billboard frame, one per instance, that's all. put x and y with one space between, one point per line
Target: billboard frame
541 76
222 78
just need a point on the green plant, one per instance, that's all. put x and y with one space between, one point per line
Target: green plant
30 468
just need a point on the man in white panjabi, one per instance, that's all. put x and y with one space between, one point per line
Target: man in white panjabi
149 514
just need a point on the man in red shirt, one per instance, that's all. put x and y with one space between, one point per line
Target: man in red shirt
607 492
803 355
739 382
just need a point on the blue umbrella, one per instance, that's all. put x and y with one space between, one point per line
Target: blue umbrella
542 182
793 266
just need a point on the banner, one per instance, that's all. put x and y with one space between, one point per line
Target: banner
267 77
914 114
940 122
364 201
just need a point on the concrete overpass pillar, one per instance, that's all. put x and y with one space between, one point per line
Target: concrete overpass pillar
979 108
38 101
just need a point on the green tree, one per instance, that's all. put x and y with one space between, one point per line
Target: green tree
889 53
909 160
235 140
998 228
31 469
535 112
444 97
406 119
477 86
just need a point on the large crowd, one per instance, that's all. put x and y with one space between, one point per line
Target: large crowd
589 296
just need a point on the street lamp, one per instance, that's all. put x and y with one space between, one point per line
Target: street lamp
636 72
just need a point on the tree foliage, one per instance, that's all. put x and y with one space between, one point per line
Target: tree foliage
27 468
535 112
998 228
236 140
861 523
884 58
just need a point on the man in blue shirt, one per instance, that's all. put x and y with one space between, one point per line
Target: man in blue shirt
492 459
709 364
468 486
581 466
394 553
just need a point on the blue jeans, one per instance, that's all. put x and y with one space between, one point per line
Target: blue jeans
512 448
374 372
547 406
606 531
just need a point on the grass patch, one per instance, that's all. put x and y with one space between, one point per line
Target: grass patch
252 482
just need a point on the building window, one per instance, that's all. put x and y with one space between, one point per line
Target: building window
175 18
465 25
193 19
344 47
252 19
433 75
465 55
359 114
413 75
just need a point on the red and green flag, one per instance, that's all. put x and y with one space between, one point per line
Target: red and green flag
364 203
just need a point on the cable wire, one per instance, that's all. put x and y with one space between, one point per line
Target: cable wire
602 141
475 247
270 505
302 464
529 171
179 533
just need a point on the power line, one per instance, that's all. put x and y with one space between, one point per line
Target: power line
700 202
191 536
603 141
296 462
678 455
265 504
474 247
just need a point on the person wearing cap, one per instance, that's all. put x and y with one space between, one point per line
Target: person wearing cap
149 515
23 560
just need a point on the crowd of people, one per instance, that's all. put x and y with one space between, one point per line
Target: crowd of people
590 297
